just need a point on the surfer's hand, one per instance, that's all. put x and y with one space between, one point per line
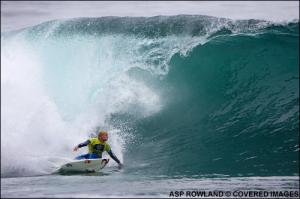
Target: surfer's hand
75 148
120 166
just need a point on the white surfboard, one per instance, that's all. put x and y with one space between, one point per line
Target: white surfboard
84 165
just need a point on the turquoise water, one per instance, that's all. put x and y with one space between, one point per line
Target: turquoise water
190 102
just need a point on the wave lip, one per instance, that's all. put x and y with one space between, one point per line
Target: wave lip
19 14
157 26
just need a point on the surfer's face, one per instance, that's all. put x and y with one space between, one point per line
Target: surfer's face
103 137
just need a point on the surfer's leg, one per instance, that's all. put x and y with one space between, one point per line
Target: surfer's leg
85 156
93 156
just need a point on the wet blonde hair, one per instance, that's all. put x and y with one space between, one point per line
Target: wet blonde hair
102 133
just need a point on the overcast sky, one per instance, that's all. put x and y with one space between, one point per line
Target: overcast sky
20 14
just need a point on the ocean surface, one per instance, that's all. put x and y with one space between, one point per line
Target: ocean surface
191 102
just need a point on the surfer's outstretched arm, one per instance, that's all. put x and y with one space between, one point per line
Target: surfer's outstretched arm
114 157
82 145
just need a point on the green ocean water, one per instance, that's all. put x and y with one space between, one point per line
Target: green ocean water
191 102
233 107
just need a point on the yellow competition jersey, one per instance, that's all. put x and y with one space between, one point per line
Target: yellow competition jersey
97 146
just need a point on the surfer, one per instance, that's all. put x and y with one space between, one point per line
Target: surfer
96 146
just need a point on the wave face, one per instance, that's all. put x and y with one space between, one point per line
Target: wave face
180 95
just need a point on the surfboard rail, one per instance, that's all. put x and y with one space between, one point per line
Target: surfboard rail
84 165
